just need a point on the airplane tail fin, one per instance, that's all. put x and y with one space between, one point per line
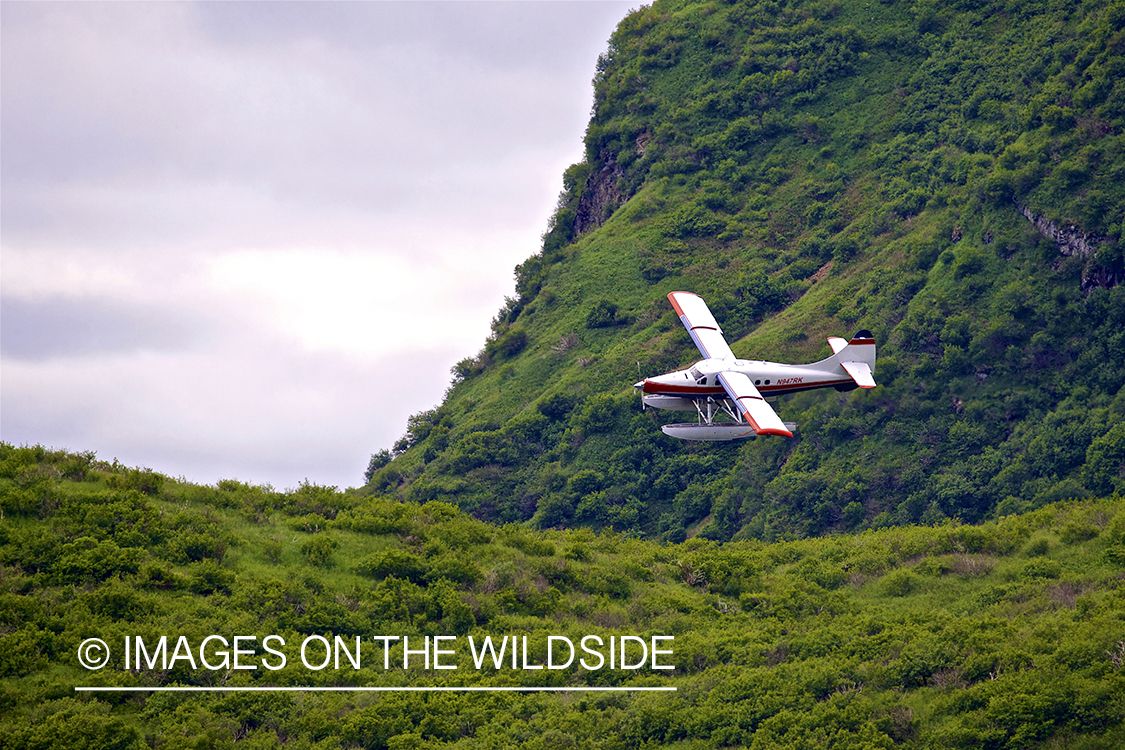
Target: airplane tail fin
856 357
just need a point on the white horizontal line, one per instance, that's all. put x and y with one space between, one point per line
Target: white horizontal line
253 689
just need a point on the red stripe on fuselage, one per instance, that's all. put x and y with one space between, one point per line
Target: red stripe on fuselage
696 391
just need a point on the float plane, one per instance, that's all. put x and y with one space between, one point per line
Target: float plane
722 385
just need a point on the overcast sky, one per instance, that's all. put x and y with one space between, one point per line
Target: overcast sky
247 240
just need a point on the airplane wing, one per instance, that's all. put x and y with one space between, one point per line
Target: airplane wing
701 326
751 405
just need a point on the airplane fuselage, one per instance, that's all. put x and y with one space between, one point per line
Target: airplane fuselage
680 389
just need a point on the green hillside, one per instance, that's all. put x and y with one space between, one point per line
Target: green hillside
950 176
1009 634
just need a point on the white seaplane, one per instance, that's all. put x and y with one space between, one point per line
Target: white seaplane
722 386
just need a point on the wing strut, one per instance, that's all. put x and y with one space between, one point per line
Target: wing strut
751 405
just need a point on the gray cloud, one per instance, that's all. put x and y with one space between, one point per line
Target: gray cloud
38 329
497 34
370 108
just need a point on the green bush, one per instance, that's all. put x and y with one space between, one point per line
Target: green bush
319 550
603 314
86 559
400 564
900 583
510 343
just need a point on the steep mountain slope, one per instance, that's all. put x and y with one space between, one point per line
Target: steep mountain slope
950 176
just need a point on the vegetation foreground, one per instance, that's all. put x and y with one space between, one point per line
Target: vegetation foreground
1006 634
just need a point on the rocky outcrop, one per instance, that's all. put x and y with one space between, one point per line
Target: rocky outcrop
600 197
1072 241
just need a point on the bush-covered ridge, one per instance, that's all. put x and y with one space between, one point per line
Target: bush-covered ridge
1010 634
948 176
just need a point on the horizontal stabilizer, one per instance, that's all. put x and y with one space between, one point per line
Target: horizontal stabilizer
837 344
860 372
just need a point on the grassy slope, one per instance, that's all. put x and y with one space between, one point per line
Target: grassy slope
1003 635
895 151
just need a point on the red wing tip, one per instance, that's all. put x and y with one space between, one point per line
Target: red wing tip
772 431
675 304
767 430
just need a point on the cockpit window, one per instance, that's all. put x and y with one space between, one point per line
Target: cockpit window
696 374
